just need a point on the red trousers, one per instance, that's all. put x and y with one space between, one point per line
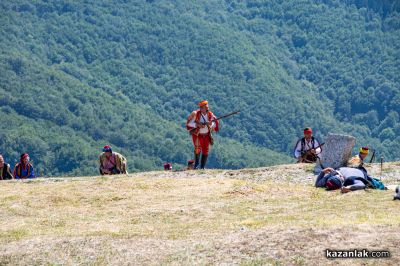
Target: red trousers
201 143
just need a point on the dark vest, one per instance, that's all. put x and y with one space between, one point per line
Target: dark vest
6 172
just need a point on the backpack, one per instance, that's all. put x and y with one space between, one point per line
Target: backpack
377 184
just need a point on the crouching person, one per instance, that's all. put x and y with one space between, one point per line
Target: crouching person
357 161
24 168
112 163
5 170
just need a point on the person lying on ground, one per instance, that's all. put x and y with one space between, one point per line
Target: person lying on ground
347 179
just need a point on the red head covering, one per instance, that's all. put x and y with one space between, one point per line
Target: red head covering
203 103
23 156
107 148
307 130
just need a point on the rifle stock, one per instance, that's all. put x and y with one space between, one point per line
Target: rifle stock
307 152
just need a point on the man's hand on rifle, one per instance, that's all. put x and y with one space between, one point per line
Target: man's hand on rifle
313 151
199 125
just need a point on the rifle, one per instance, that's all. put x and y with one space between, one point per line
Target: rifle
218 118
372 157
307 152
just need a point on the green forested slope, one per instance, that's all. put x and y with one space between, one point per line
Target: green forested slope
76 76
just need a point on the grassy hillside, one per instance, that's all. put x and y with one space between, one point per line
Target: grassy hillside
247 217
77 76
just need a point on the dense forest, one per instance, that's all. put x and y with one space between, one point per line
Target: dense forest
76 76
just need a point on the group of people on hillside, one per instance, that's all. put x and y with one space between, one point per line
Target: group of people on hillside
201 123
352 177
308 150
22 170
111 163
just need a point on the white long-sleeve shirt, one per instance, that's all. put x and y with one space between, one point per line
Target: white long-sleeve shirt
203 120
307 146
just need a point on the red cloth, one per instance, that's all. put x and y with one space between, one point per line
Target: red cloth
23 156
196 115
201 144
203 103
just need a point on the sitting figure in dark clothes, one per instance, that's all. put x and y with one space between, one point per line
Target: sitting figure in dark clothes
5 170
347 179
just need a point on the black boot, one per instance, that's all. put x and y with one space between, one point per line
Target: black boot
203 161
196 160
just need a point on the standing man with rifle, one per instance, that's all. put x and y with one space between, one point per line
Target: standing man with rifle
307 148
201 123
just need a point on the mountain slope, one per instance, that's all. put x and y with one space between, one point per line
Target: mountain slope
77 76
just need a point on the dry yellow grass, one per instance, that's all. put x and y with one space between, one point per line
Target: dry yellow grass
248 217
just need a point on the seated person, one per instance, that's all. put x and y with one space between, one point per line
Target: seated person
5 170
307 148
357 161
112 162
24 169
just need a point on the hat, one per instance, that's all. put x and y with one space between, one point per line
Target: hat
107 148
308 130
190 162
333 183
364 150
203 103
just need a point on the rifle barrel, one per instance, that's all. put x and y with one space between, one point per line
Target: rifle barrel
230 114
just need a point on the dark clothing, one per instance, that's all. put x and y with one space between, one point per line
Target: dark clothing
5 172
354 178
355 183
322 178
